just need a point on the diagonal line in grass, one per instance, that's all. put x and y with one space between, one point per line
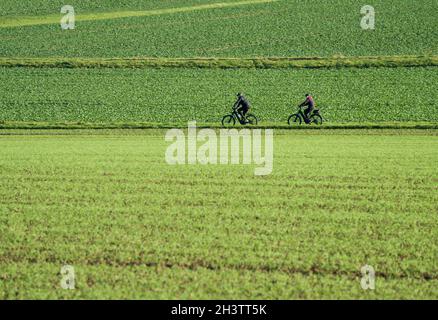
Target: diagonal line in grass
10 22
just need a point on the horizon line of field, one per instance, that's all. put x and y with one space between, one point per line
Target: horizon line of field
227 63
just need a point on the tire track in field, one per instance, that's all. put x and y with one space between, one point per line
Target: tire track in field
195 265
55 19
312 271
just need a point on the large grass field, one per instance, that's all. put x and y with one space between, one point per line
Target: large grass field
107 203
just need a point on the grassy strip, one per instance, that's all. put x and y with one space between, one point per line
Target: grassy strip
273 125
224 63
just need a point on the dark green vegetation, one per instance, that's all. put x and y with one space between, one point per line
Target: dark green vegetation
179 95
133 226
281 28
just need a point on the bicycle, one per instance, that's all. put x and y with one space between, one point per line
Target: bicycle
230 119
299 117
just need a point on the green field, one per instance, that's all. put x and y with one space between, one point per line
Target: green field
387 75
276 28
84 181
161 95
110 205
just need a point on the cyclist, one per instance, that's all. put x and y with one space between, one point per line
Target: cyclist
242 106
310 103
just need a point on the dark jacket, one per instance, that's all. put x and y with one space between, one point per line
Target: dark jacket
242 103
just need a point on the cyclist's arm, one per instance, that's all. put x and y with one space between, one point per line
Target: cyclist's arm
305 103
237 104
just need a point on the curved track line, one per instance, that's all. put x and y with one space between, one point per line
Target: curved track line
54 19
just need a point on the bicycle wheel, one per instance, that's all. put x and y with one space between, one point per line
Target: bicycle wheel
228 121
294 120
316 119
252 119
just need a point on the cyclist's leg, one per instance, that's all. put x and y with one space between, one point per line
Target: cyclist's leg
307 113
245 111
238 112
241 113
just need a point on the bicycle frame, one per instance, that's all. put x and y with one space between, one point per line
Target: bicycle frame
236 115
314 117
301 113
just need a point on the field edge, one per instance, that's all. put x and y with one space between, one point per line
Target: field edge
5 125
